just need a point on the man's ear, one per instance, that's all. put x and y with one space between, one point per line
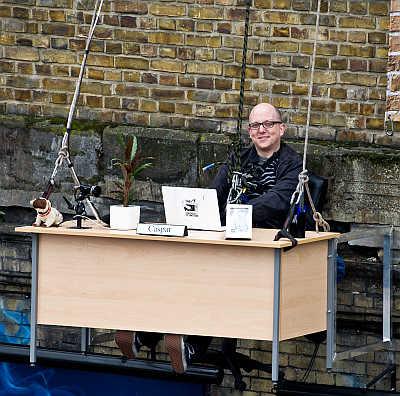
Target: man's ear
282 129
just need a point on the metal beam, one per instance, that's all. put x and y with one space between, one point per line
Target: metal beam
103 362
275 330
331 304
386 342
34 287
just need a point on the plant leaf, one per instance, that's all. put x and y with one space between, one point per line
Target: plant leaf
131 165
141 168
134 148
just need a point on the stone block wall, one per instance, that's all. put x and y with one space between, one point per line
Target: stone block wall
15 272
364 183
177 65
178 157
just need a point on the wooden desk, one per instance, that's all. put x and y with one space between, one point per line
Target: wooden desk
201 284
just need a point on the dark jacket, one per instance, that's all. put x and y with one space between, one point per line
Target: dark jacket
271 208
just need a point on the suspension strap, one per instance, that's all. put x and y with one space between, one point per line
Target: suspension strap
63 154
298 193
319 220
234 160
303 176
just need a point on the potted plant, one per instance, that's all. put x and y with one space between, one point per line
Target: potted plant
125 216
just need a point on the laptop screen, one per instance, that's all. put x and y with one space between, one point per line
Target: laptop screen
197 208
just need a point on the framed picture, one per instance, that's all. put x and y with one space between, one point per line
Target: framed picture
238 221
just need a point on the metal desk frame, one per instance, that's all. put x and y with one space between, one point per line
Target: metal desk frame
85 334
332 355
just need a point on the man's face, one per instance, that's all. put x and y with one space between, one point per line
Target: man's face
266 138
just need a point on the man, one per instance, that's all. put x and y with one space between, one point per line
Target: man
271 169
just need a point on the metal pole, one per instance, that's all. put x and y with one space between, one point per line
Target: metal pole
34 287
64 151
331 304
243 72
275 333
84 339
387 287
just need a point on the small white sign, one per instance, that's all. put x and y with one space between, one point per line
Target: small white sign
239 221
162 229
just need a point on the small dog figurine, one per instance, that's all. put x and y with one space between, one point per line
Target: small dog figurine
45 213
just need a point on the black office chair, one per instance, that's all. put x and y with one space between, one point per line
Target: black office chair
228 358
318 188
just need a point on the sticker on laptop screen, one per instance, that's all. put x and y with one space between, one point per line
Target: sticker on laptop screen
191 207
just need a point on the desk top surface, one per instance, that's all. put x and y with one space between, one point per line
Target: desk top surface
261 237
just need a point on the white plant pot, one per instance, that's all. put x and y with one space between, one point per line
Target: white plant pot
124 217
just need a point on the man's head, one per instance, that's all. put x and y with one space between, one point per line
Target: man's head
266 129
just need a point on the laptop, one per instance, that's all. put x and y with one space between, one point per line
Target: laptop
196 208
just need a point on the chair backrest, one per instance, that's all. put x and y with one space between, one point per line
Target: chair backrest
318 187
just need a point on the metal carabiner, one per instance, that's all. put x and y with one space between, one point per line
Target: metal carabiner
389 132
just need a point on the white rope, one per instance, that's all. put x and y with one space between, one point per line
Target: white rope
303 179
303 176
319 220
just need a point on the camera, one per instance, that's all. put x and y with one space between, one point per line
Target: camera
84 191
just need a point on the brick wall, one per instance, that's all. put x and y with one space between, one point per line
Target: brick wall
157 63
393 91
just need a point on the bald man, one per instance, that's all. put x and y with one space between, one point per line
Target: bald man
271 168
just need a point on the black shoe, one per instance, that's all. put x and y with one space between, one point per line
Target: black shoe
179 352
128 342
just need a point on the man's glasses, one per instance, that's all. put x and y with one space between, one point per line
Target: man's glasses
255 126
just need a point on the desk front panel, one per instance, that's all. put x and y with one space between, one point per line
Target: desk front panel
170 287
303 290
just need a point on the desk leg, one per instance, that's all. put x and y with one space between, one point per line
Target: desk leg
85 339
331 308
34 287
275 334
